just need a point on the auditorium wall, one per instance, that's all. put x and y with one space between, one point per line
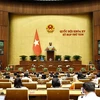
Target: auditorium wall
64 37
7 8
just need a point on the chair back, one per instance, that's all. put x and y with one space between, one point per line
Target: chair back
84 80
98 81
34 78
78 85
97 91
57 94
30 85
65 81
5 85
69 78
42 81
25 80
48 84
17 94
4 80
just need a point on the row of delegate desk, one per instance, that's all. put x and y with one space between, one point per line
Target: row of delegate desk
51 65
41 94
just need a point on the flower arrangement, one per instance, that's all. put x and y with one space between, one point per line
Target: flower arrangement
20 69
58 57
7 68
33 69
45 69
33 57
77 57
83 69
67 57
59 69
41 57
23 57
71 69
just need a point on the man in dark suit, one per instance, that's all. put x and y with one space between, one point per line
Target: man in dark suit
55 81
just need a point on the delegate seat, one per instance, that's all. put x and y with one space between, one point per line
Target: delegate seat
78 85
5 85
17 94
57 94
30 85
97 91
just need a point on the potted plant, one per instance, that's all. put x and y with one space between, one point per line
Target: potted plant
71 69
83 69
33 69
45 69
20 69
77 57
67 57
7 68
59 69
33 57
58 57
23 57
41 57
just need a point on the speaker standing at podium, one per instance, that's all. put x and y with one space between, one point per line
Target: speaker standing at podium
50 52
50 47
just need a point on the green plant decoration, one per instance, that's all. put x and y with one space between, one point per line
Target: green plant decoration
33 69
67 57
59 69
58 57
45 69
7 68
83 69
77 57
41 57
33 57
20 69
71 69
23 57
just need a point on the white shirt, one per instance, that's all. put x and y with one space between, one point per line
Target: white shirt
89 96
27 78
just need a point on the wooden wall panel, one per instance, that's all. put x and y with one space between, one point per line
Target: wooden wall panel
47 8
0 33
4 31
4 36
96 32
96 16
3 18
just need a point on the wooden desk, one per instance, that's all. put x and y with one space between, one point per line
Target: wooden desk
42 94
43 86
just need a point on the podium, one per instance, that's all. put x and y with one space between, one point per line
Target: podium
50 54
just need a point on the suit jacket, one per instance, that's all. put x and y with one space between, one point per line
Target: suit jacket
55 82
